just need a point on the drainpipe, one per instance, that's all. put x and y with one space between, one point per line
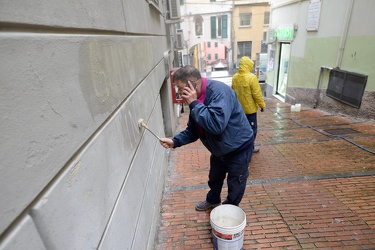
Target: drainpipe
344 36
233 35
344 33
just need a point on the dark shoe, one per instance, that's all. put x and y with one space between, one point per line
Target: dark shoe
204 205
256 150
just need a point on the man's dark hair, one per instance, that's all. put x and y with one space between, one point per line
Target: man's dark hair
186 73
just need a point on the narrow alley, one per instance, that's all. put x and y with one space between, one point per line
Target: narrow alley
312 186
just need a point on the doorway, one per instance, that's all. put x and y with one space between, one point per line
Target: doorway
282 77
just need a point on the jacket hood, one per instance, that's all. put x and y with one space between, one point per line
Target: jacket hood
246 64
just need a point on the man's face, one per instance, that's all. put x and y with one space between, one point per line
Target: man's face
181 85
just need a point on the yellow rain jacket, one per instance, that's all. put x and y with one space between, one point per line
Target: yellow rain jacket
247 88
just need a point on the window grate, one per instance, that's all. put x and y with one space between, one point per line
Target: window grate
346 87
341 131
263 47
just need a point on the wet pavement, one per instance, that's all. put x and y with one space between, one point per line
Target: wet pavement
223 76
311 186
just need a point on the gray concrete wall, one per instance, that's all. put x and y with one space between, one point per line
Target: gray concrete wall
76 76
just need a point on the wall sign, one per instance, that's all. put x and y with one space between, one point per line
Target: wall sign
313 15
285 33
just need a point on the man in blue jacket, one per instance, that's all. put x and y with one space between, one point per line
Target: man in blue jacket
217 119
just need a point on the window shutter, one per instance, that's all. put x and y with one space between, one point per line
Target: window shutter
224 33
213 27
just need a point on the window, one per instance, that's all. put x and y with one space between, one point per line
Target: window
209 44
182 2
198 20
245 19
213 27
266 18
212 0
219 26
209 56
265 35
216 56
216 44
243 49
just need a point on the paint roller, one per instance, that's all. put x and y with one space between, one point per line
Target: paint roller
142 124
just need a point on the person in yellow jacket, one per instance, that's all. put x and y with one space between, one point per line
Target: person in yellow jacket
249 93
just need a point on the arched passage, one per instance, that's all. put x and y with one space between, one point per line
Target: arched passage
209 56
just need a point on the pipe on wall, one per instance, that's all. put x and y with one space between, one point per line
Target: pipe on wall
319 83
344 34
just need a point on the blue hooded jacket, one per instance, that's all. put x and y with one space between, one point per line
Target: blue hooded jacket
220 122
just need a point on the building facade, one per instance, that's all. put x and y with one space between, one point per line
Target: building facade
77 171
250 23
236 26
215 56
205 21
320 59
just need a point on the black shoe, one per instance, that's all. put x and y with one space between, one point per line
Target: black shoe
256 150
204 205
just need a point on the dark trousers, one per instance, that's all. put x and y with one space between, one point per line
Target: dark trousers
252 118
237 167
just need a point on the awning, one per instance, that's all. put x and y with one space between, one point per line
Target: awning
220 65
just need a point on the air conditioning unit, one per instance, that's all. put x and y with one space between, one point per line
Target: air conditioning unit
179 44
174 9
154 3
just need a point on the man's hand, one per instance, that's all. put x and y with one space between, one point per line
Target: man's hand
166 142
189 93
261 109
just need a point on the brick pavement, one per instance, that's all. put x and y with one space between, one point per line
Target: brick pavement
310 187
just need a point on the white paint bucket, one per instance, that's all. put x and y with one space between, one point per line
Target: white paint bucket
228 223
298 107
